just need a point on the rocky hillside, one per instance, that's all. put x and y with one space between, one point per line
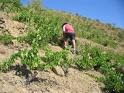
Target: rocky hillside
32 59
46 81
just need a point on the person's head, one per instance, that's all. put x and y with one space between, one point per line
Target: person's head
64 24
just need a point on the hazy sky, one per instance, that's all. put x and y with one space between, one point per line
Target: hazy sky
108 11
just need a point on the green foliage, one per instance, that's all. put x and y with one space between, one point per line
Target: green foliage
113 82
47 20
10 5
53 59
6 38
24 16
36 5
30 58
33 60
106 63
90 57
46 31
121 35
5 65
99 36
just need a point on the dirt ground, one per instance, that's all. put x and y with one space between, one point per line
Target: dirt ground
48 82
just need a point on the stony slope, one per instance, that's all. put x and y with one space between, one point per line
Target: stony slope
47 81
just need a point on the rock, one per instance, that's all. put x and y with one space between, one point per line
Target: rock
121 69
2 21
32 77
55 48
2 51
16 45
95 90
58 70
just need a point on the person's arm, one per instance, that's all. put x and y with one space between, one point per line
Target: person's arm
64 28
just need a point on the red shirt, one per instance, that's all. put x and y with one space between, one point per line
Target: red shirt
67 28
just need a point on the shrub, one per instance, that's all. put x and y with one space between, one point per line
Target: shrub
6 38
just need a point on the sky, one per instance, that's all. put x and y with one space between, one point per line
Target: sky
107 11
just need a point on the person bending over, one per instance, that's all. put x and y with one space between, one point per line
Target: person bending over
69 33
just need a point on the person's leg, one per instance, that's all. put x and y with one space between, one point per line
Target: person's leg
65 40
65 43
72 37
74 44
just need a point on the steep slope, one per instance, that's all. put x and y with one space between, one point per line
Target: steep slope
34 39
47 82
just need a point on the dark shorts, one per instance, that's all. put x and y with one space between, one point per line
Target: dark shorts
70 36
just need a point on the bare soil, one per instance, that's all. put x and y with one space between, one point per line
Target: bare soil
48 82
